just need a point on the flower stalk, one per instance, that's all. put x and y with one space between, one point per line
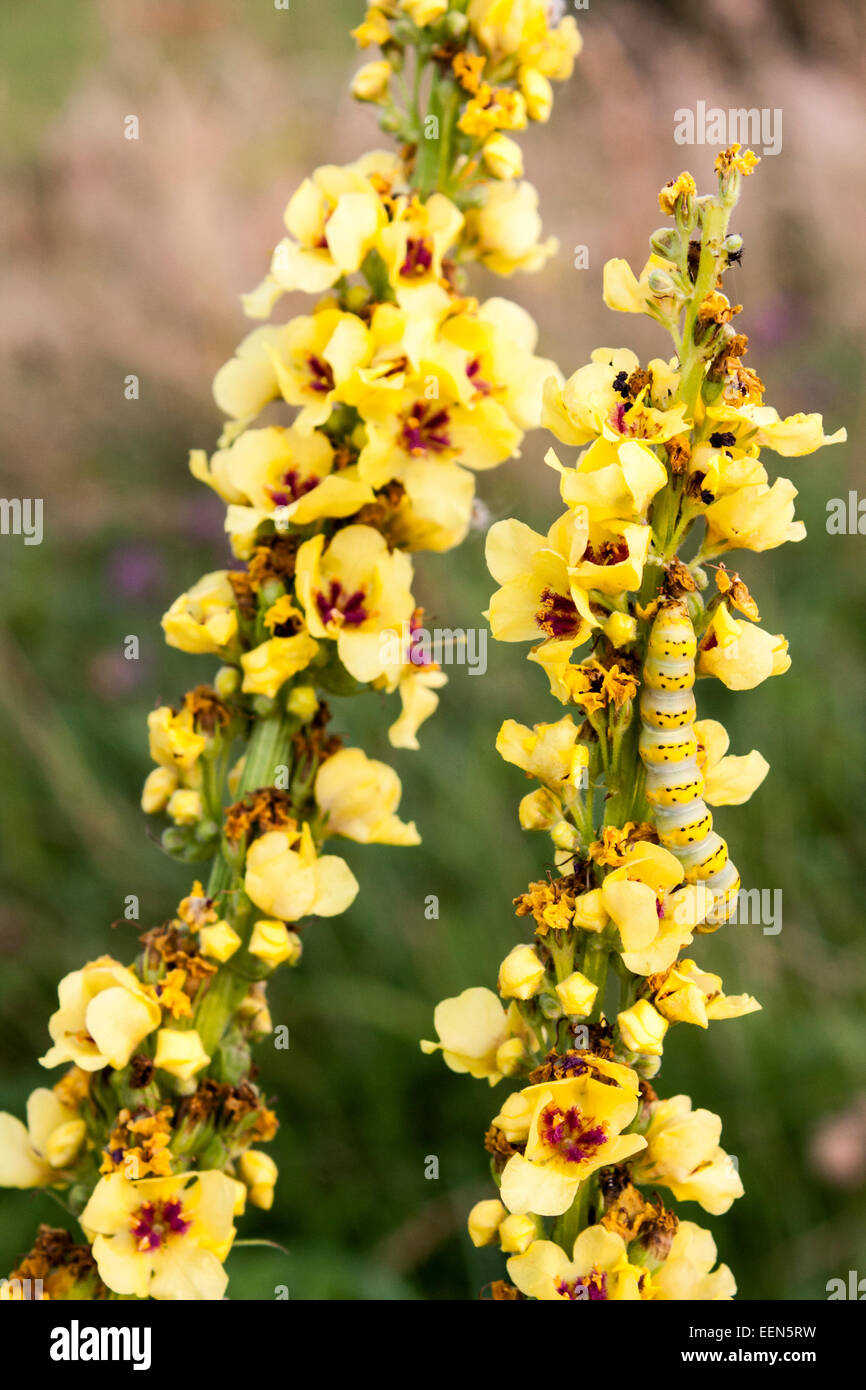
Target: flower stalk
384 396
668 474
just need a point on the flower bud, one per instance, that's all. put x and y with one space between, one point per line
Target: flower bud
302 702
537 93
509 1056
660 283
370 82
271 942
521 973
642 1028
503 157
259 1174
620 629
516 1233
484 1221
226 681
185 807
219 941
666 242
577 994
179 1052
158 788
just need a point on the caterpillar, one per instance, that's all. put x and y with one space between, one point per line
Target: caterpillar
668 747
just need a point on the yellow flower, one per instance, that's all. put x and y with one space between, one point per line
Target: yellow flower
504 230
761 425
491 109
286 878
615 397
162 1238
418 700
259 1174
599 1269
753 518
577 994
245 384
683 1154
315 355
740 654
33 1156
174 742
415 241
521 973
537 598
613 479
473 1029
281 475
728 780
522 29
503 158
272 942
180 1053
614 556
688 1272
642 1029
686 994
268 666
219 941
359 797
572 1128
204 620
354 589
104 1013
624 292
484 1221
370 82
654 922
375 29
333 220
549 752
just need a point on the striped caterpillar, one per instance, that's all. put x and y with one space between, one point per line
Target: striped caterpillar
669 749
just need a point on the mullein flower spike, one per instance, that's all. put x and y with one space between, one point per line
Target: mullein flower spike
669 455
395 388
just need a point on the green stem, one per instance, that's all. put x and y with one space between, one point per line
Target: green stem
596 955
570 1224
270 747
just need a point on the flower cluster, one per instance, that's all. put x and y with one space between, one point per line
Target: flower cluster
353 432
669 456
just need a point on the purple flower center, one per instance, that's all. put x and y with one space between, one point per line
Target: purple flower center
154 1222
569 1133
321 376
557 616
419 259
337 601
424 432
591 1287
473 371
294 486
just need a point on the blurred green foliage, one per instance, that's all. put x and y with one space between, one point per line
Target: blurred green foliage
362 1110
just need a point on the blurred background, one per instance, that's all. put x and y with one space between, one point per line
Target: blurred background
128 257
